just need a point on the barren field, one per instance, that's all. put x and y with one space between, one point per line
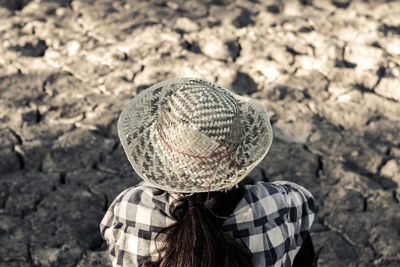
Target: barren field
327 71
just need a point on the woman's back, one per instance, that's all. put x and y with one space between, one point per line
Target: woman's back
270 219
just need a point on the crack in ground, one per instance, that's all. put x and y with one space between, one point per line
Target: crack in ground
342 234
320 167
385 183
105 207
365 204
374 118
320 163
7 195
20 156
132 80
375 254
63 178
30 259
17 136
238 51
384 161
38 201
395 197
342 62
381 73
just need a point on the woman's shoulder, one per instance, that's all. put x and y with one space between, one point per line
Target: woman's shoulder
138 204
276 188
282 192
143 193
272 218
263 201
133 220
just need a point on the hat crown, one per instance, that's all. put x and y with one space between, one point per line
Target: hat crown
222 135
199 117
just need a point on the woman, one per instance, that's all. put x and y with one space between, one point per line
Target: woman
192 142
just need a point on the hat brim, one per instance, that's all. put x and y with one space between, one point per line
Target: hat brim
149 158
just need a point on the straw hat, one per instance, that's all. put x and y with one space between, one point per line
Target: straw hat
189 135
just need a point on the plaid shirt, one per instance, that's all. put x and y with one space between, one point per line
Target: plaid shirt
272 220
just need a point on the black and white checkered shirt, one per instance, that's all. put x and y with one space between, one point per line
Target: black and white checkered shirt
272 220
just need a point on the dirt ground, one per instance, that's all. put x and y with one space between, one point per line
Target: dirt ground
327 71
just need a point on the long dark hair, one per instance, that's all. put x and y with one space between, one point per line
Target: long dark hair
197 239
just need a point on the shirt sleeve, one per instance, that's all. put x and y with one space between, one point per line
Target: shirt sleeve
132 222
300 208
272 220
109 227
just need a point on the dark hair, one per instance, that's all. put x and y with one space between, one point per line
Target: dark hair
197 239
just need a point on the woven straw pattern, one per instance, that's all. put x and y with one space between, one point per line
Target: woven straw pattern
183 134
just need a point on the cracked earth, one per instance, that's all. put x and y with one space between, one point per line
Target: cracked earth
327 71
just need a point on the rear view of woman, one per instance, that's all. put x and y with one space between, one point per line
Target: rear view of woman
193 142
